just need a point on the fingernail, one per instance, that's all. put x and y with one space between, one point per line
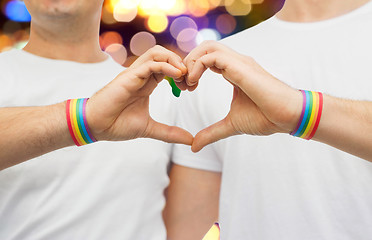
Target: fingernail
190 84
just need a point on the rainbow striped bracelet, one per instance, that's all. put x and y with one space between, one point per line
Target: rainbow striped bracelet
312 108
77 122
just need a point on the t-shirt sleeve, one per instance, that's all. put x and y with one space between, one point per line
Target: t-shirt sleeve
196 111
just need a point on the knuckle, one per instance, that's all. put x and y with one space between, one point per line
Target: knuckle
151 66
199 61
155 50
158 48
209 42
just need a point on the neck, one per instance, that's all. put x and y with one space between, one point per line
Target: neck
73 41
316 10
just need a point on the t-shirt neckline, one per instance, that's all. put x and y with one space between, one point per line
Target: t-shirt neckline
44 60
323 23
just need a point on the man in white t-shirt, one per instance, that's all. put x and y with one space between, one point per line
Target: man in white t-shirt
280 187
100 191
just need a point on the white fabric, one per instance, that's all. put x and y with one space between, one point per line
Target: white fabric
100 191
281 187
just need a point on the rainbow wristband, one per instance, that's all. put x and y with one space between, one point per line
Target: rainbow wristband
77 122
312 108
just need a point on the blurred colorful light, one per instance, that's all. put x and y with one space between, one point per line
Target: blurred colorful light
16 11
117 52
178 19
180 24
20 45
107 16
123 13
215 3
213 233
141 42
109 38
207 34
179 8
225 23
5 42
253 1
186 39
157 23
238 7
199 8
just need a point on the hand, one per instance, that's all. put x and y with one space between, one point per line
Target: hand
261 105
120 111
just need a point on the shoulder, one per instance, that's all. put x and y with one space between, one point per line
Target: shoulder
8 65
7 58
8 54
248 38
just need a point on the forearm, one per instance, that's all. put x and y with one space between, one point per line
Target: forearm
346 125
28 132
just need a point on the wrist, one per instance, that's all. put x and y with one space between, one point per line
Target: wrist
296 104
287 111
58 111
312 108
77 122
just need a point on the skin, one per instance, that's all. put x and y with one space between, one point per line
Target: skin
252 114
263 105
316 10
70 28
197 213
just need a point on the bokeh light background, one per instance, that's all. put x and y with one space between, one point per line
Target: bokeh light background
130 27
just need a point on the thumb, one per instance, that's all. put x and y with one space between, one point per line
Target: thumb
168 134
220 130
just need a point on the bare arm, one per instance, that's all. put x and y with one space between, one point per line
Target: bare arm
28 132
118 112
192 203
263 105
346 125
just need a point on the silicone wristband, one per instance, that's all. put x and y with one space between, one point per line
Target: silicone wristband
77 123
312 108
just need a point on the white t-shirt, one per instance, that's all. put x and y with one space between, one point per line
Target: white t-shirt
281 187
106 190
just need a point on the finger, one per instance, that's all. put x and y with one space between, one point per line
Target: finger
168 56
181 79
216 70
161 54
168 134
192 88
148 88
204 48
235 94
142 74
181 85
146 70
216 59
213 133
159 77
